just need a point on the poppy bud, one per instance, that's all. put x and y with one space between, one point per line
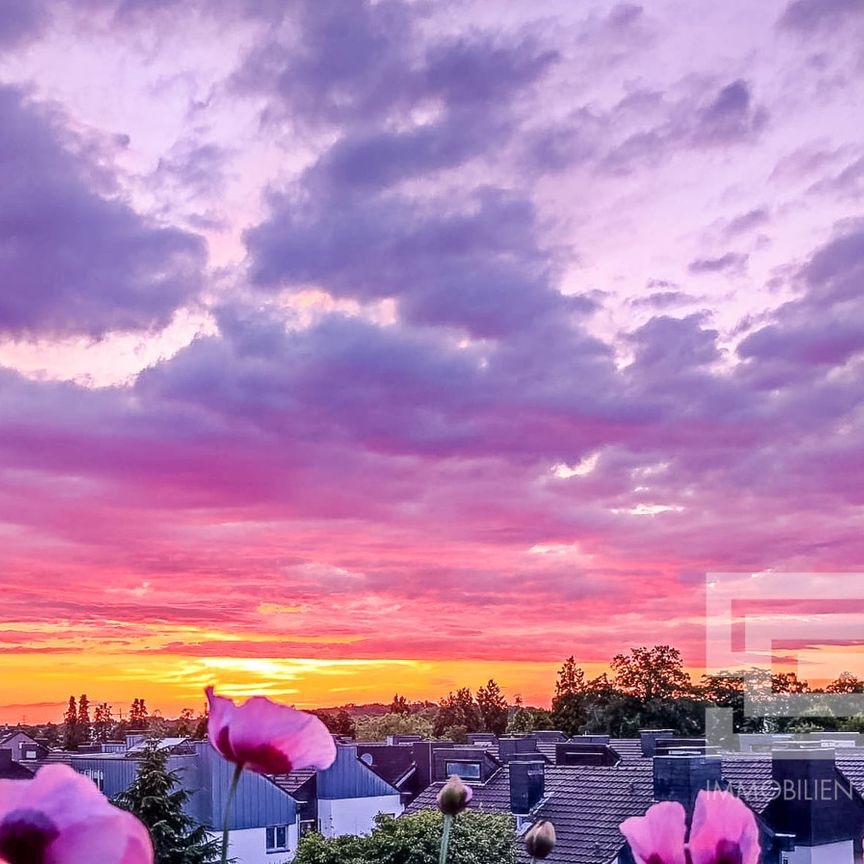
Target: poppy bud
454 796
540 840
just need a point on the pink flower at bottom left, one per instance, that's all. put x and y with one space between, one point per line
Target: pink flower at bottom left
60 817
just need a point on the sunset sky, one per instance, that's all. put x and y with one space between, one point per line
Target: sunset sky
354 347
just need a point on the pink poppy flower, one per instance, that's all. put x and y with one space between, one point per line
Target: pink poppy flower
724 831
658 836
266 737
60 817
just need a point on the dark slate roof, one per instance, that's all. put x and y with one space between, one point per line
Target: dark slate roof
629 749
749 776
292 782
16 771
390 761
587 805
493 795
851 764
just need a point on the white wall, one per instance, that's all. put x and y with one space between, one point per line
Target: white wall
354 815
829 853
249 846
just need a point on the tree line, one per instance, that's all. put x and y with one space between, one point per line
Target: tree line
647 687
85 723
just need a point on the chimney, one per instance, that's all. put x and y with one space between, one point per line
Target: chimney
515 748
813 800
579 753
680 778
527 784
648 739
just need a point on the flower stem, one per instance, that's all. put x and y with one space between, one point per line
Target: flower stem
445 839
238 770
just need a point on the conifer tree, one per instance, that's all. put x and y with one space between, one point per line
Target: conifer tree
70 721
102 721
157 798
83 719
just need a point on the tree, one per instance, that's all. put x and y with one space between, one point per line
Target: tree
493 708
338 724
186 723
651 673
157 798
458 709
138 715
846 682
84 718
102 721
477 838
379 728
569 705
527 719
399 705
70 721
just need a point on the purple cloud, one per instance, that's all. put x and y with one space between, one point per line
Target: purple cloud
20 20
807 15
76 260
729 262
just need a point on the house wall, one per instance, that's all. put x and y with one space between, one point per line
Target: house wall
16 743
249 846
355 815
828 853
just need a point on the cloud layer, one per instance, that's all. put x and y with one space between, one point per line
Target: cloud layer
502 334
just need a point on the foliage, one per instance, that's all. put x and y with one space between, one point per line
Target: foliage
651 673
493 708
378 728
477 838
84 711
157 798
458 709
399 705
845 683
71 734
102 721
526 719
138 715
341 723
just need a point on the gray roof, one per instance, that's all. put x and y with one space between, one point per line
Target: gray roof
493 795
750 778
629 749
292 782
587 805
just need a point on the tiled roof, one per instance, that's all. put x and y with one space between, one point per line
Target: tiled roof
290 783
629 749
547 749
492 795
391 762
587 805
851 764
750 778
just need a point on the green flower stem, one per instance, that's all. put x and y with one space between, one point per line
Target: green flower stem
445 839
238 770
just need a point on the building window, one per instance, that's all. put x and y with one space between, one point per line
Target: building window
277 838
98 777
29 754
465 770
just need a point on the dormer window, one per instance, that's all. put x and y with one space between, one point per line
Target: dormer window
465 770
